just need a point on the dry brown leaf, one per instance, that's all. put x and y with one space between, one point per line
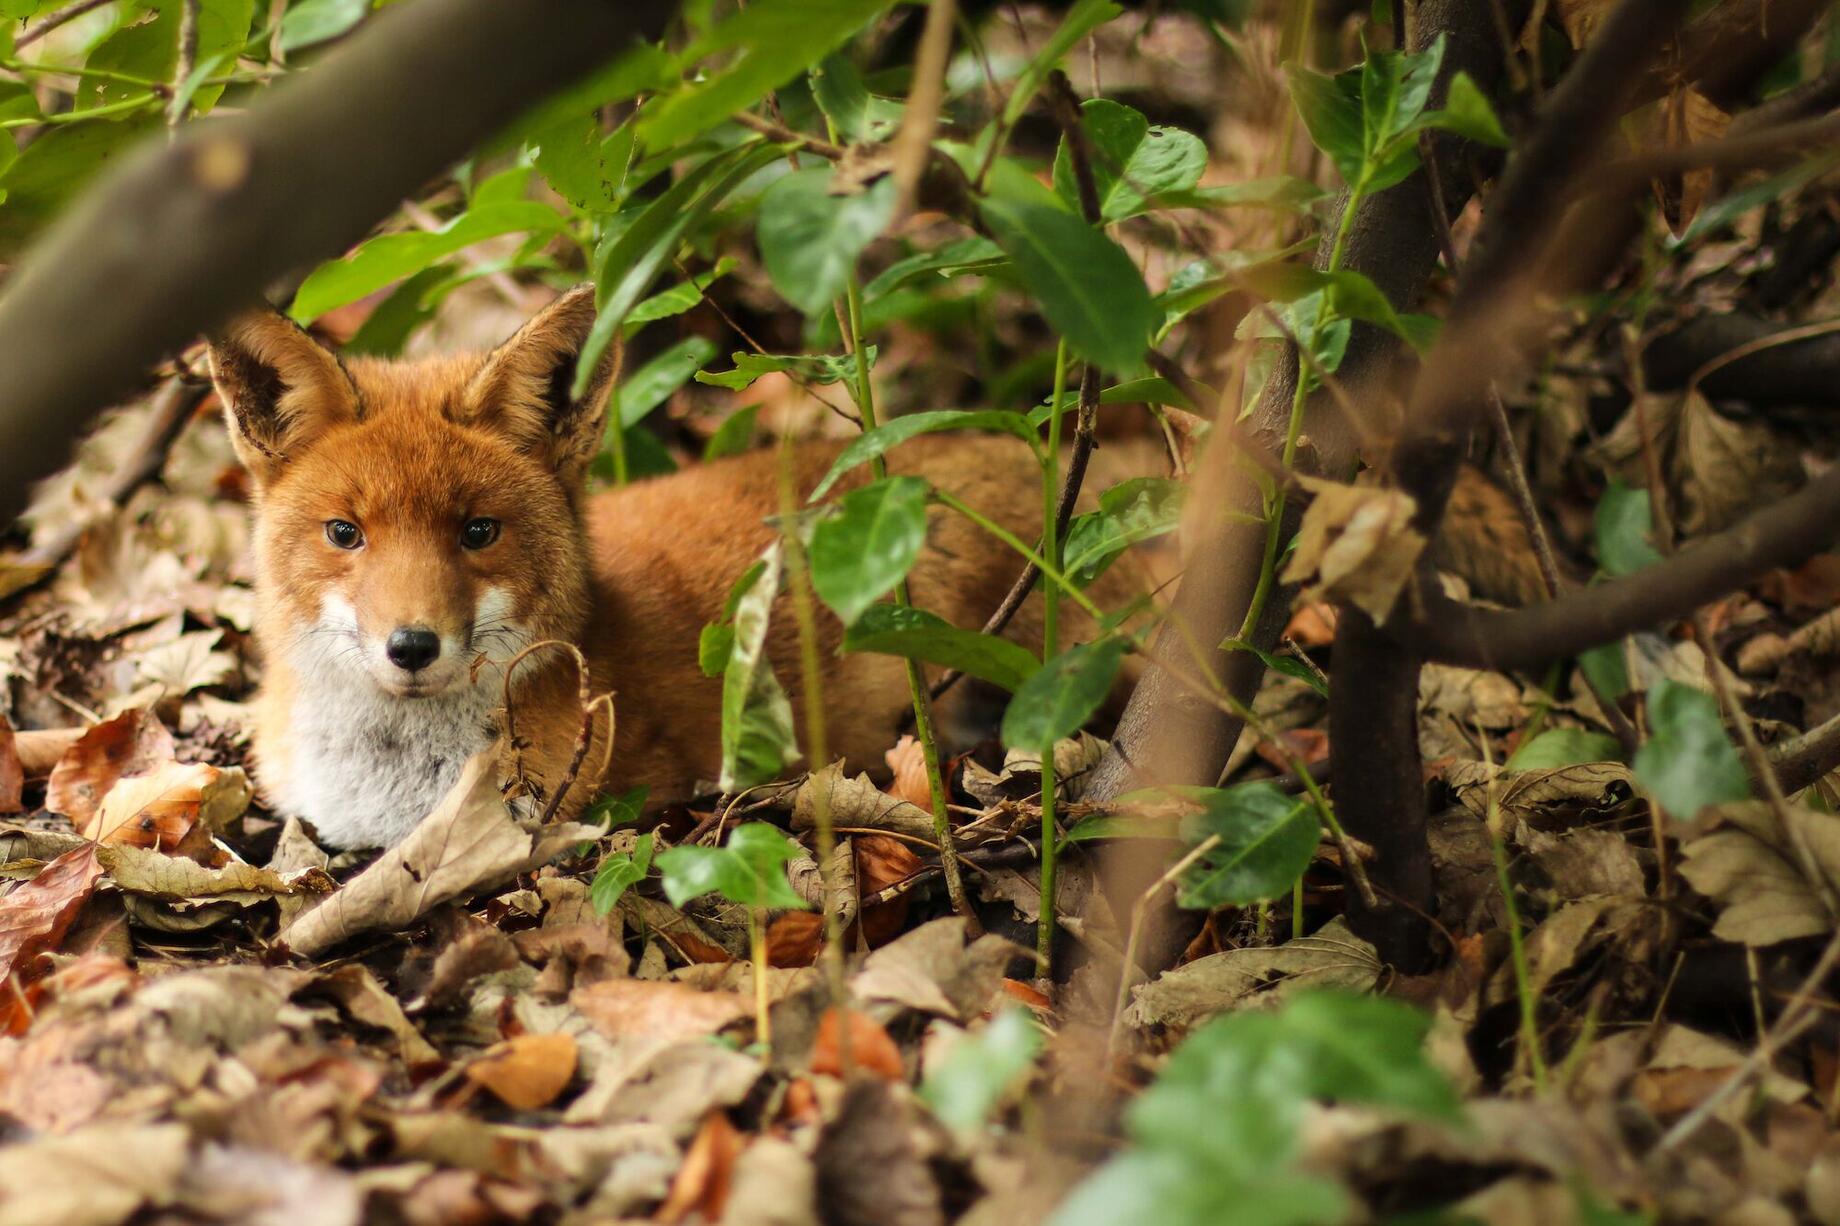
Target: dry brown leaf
190 662
857 802
932 969
622 1008
907 760
871 1050
1724 468
132 743
12 771
1748 866
794 939
1255 975
1535 796
365 1000
870 1170
34 916
708 1171
1580 19
1356 544
96 1176
41 748
470 841
1685 117
527 1072
160 808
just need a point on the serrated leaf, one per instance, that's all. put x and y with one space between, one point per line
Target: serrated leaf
860 553
1061 696
918 635
1688 762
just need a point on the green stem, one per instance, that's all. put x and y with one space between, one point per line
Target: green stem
136 103
24 68
1049 571
1050 613
850 322
757 949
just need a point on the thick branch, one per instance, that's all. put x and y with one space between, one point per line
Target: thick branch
1795 372
183 234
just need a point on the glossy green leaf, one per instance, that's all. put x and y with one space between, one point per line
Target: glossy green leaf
1468 112
854 112
649 386
1625 528
411 304
618 873
1058 699
872 443
899 630
391 257
749 869
1282 192
1688 762
1140 509
1266 841
1565 747
818 368
963 1088
869 545
810 238
1132 159
967 255
1086 285
1331 109
570 155
1290 666
679 298
311 22
150 49
757 735
54 167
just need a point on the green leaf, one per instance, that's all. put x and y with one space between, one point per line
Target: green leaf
1266 841
735 435
750 869
150 49
1165 1189
1288 665
810 238
391 257
53 168
757 735
679 298
1727 209
1282 192
898 630
1331 110
1136 510
1468 113
1087 286
411 304
1061 696
860 553
854 112
1132 159
1151 390
618 873
967 255
1082 19
570 156
1688 762
1565 747
714 645
818 368
872 443
624 267
1624 530
615 812
776 40
650 385
1607 668
311 22
979 1069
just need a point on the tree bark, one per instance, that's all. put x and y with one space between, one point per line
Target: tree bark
185 233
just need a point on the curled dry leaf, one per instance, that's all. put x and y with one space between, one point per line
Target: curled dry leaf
1535 795
623 1008
1256 975
12 771
1748 865
1685 117
35 915
703 1181
857 802
527 1072
160 808
908 762
132 743
1356 545
931 969
871 1050
470 841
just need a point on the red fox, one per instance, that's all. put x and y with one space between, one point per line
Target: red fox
418 524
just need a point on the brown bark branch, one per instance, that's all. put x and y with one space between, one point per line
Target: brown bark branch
183 234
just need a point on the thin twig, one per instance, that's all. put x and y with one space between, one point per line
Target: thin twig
913 144
828 150
1139 910
69 12
182 67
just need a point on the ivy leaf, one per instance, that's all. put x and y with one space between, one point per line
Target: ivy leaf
1087 286
872 443
810 238
859 554
979 1069
1136 510
1688 762
1132 159
1061 696
618 873
1625 528
898 630
749 870
1565 747
1266 841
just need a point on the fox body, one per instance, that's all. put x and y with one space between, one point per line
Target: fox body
419 525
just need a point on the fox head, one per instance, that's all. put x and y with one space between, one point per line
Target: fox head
414 517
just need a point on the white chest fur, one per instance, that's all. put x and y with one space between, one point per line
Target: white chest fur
365 766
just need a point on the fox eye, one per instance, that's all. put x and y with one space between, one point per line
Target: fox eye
478 533
344 533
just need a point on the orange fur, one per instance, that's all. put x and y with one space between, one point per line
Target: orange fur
409 453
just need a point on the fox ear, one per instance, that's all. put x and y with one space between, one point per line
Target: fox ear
280 389
522 390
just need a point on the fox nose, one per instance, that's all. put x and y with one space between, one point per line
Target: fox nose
412 648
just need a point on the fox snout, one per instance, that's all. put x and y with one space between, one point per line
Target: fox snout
412 648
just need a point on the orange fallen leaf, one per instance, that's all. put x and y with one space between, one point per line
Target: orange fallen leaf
795 938
622 1007
40 748
35 915
704 1180
1027 994
132 743
871 1050
12 772
908 762
880 863
526 1072
158 809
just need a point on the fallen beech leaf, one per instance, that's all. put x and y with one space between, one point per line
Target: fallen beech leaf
35 915
132 743
526 1072
95 1176
703 1181
871 1050
12 773
1027 994
190 662
468 842
1749 866
857 802
910 783
1256 975
158 809
41 748
795 938
620 1008
882 861
1356 544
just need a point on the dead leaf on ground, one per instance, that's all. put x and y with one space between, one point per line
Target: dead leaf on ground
621 1008
1356 544
96 1176
870 1172
1749 866
158 809
703 1181
1541 797
857 802
36 914
1685 117
1185 996
871 1050
132 743
932 969
527 1072
907 760
12 771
